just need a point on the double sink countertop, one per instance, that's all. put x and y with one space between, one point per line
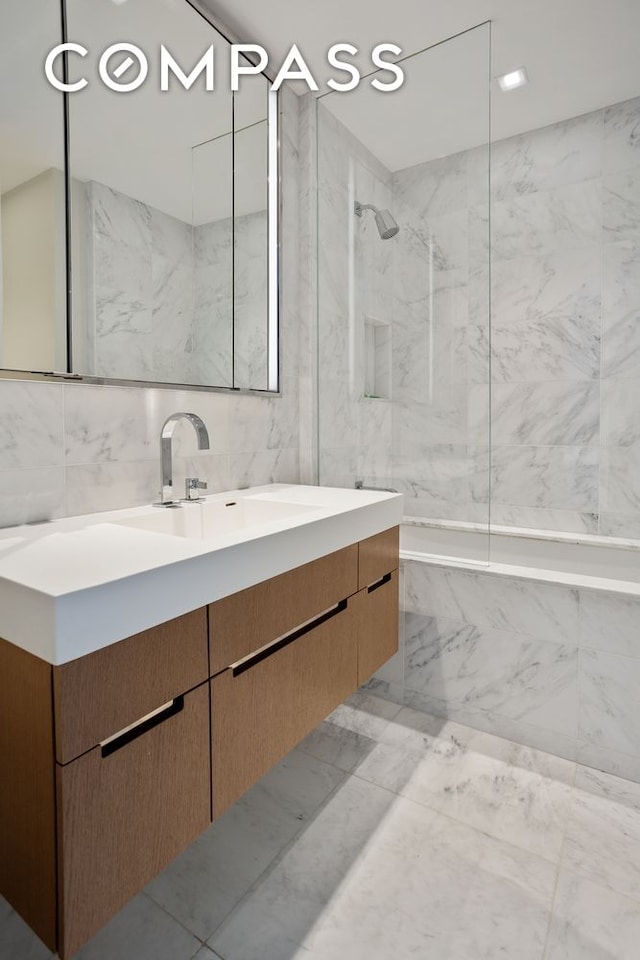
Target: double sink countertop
69 587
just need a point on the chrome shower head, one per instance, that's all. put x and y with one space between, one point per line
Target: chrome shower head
385 222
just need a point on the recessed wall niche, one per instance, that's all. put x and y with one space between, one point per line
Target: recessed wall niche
377 359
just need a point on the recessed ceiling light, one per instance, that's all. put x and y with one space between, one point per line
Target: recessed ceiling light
513 80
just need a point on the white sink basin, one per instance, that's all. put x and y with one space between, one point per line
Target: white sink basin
218 517
76 585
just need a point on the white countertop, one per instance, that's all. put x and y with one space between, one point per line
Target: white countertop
73 586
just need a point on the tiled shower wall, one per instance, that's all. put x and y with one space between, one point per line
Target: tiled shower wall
356 281
547 665
566 326
68 449
565 330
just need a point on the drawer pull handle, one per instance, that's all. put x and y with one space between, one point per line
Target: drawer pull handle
268 651
129 734
379 583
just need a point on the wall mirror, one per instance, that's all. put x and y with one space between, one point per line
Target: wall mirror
32 192
171 214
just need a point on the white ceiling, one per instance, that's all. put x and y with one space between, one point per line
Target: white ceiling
580 54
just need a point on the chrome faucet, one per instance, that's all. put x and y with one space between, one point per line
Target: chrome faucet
166 437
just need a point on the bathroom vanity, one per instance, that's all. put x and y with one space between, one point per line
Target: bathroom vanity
117 755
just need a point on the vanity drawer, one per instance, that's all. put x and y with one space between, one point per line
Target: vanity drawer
378 555
262 708
100 694
246 621
124 816
377 610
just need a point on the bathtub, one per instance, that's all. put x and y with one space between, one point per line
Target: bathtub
597 562
532 637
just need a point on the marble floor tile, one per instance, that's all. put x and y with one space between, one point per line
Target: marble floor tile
602 843
335 744
141 931
591 922
207 881
436 888
282 909
365 714
511 792
206 954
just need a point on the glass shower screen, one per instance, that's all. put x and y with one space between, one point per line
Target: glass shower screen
404 293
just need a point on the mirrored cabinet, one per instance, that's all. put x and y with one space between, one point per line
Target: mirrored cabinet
139 230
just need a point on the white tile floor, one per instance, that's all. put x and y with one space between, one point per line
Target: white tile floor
391 835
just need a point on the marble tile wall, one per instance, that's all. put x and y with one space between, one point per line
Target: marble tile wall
143 279
565 312
562 384
230 302
355 286
546 665
68 449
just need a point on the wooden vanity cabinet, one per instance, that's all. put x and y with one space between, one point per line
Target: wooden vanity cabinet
377 619
268 703
377 556
290 650
123 816
243 622
97 797
100 694
27 790
113 763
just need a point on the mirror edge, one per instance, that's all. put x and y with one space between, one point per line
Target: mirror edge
274 350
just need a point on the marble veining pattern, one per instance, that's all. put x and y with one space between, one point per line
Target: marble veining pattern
544 664
540 610
563 328
389 832
74 448
493 671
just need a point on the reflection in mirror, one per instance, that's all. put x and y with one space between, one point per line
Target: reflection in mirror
135 294
250 266
250 269
32 191
213 260
153 210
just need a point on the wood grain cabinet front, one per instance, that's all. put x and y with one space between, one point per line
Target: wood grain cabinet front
377 614
245 621
126 809
116 761
97 695
266 705
377 556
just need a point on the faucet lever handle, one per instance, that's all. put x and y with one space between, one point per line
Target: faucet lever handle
193 486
